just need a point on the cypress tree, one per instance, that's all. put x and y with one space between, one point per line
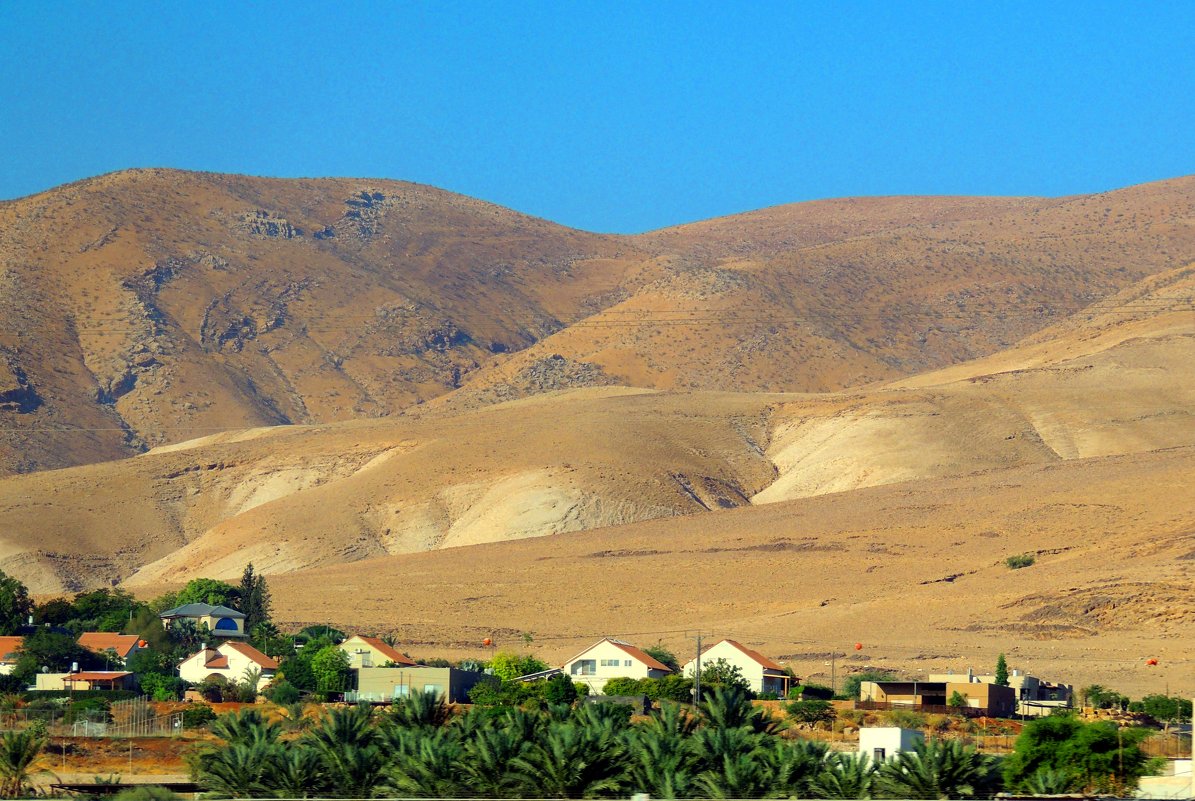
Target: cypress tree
1001 671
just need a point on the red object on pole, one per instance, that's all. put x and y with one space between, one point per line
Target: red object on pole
487 642
1151 661
858 646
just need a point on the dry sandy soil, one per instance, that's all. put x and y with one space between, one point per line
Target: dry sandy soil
802 427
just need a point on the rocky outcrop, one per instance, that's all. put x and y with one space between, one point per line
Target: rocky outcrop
16 392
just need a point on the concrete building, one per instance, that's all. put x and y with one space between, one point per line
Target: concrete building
230 659
371 652
608 659
879 743
988 700
219 620
764 675
384 684
1035 697
87 680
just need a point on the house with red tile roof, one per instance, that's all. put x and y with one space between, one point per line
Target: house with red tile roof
122 645
610 658
10 648
366 652
762 674
230 659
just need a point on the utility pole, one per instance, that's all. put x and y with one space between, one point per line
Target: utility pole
697 674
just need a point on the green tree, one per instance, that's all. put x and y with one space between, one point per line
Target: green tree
254 598
508 665
721 673
664 657
1001 671
208 591
49 649
957 700
15 604
844 776
1096 756
330 669
812 711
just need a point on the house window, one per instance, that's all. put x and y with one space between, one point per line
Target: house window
610 663
431 689
878 755
627 663
226 624
401 691
584 667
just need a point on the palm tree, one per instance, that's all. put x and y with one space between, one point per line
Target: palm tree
485 763
297 773
239 769
728 707
1046 781
246 727
433 768
420 709
793 766
731 762
572 761
942 769
19 752
844 776
347 742
662 764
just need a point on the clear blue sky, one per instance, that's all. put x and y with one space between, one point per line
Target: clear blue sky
611 117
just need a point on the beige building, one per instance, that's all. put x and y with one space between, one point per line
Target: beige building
990 700
231 659
87 680
383 684
764 675
219 620
371 652
609 659
1035 697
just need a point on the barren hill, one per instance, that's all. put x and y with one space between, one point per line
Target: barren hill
153 306
913 571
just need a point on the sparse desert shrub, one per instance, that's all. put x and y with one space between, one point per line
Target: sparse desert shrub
813 711
906 719
1020 560
150 792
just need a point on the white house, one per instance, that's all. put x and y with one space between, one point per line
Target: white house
609 659
884 742
371 652
764 675
230 659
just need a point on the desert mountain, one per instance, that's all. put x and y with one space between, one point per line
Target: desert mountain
1115 379
152 306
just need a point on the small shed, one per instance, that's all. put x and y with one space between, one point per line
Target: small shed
880 743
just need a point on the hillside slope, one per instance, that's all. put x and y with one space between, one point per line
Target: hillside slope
914 572
153 306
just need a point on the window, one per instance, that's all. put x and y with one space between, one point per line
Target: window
878 755
401 691
431 689
611 662
584 667
627 663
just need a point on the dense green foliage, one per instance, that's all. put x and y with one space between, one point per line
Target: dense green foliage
811 711
419 749
15 605
46 648
850 685
1085 757
507 665
1001 671
19 751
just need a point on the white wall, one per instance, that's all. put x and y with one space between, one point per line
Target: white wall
890 738
752 671
624 665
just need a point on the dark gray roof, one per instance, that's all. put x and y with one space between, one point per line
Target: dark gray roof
201 610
